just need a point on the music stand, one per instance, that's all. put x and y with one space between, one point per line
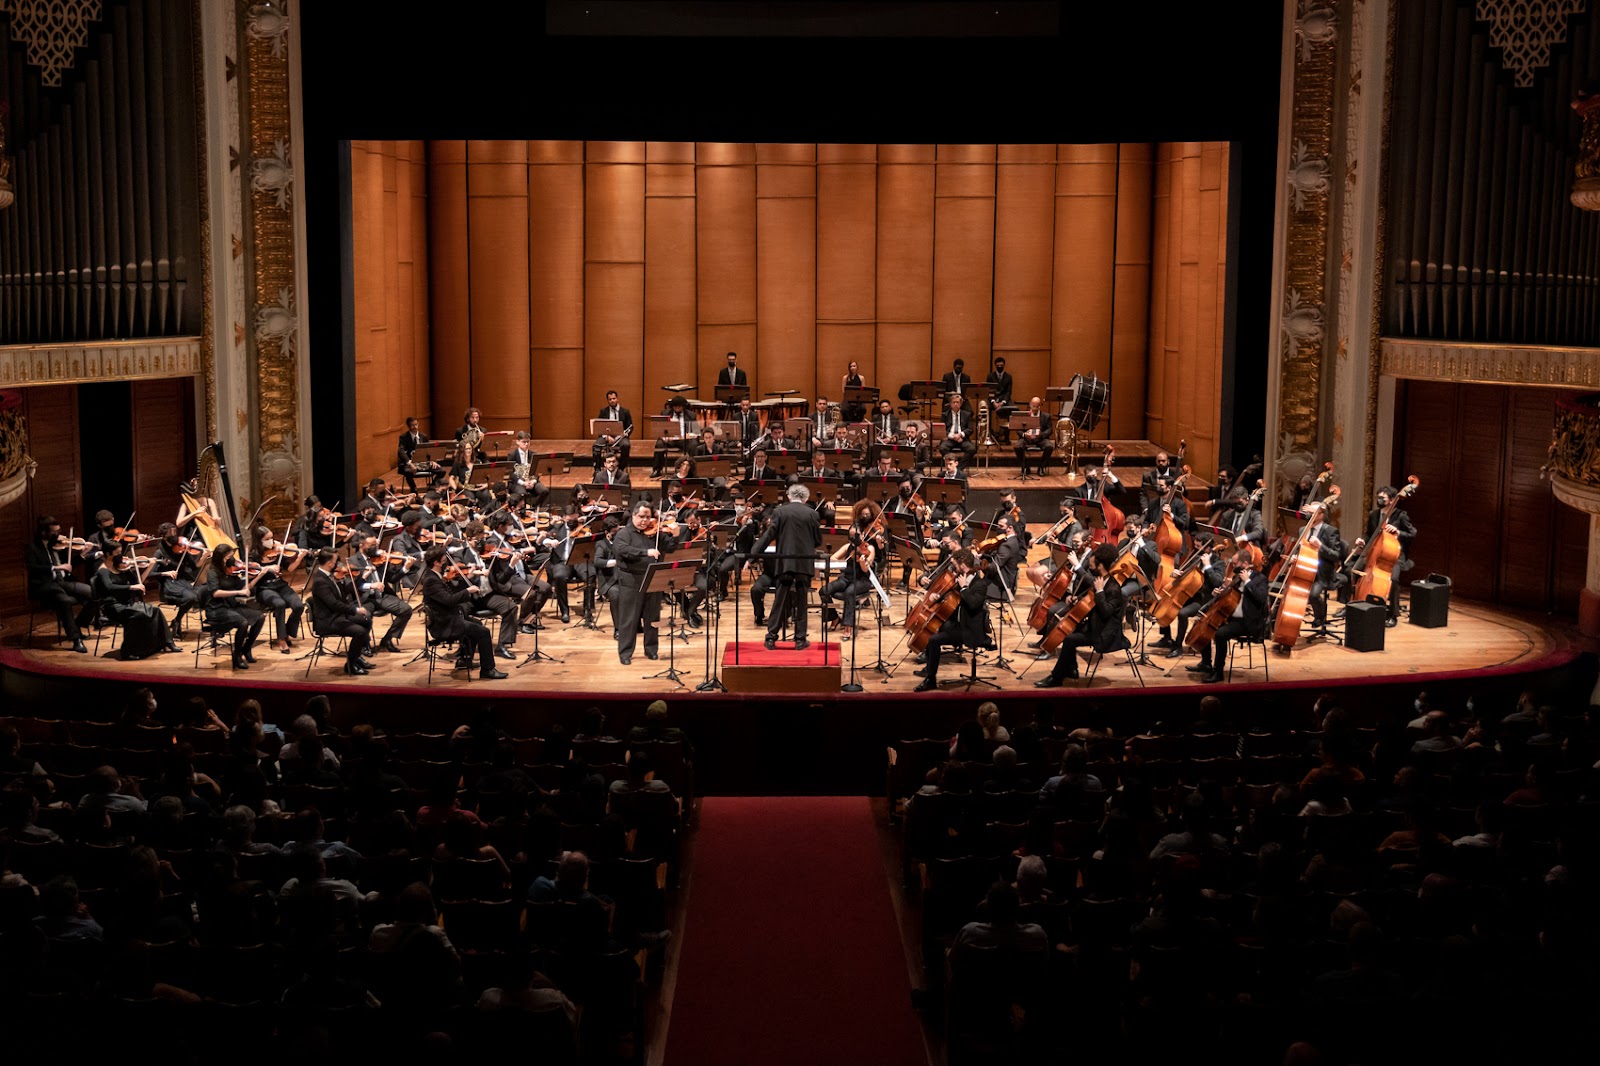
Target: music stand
826 489
732 394
927 394
666 578
901 457
943 490
692 486
605 427
610 495
878 489
713 467
784 464
771 490
976 393
580 553
865 396
548 464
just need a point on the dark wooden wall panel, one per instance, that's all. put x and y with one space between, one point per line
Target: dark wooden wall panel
52 413
163 433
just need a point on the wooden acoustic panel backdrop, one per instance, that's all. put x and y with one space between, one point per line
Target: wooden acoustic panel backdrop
52 414
390 246
629 265
1483 515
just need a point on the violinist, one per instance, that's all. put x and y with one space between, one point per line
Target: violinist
177 569
445 607
558 541
1068 512
523 481
852 412
377 498
1249 618
227 608
906 502
611 472
853 581
733 557
379 587
407 551
1323 536
1398 526
692 531
512 576
954 532
1000 405
968 626
315 528
605 443
103 537
1008 506
469 555
1036 439
1102 630
1213 569
408 466
118 586
333 615
1006 557
796 532
274 593
469 497
50 582
603 571
635 547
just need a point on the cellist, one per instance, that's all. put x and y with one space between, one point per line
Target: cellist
1399 527
1102 629
1164 501
1212 568
1249 617
968 626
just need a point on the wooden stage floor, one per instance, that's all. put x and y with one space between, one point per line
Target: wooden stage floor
1478 638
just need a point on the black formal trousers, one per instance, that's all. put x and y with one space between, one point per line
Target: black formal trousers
286 607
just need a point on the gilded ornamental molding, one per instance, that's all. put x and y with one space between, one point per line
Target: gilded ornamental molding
1492 364
64 364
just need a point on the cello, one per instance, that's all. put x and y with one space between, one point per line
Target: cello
1054 591
1377 568
1300 572
1182 584
1219 609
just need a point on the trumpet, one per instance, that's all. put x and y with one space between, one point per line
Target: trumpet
766 435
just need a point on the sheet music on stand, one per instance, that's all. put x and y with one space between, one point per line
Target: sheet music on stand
861 395
547 464
732 393
878 489
610 495
605 427
945 490
709 467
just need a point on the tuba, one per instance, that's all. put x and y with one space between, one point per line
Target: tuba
983 424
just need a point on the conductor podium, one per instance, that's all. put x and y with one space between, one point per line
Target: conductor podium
747 666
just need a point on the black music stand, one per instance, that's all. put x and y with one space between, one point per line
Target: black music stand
927 395
581 552
824 489
865 396
665 578
730 395
943 490
784 464
770 490
713 605
536 655
880 490
692 486
610 495
680 556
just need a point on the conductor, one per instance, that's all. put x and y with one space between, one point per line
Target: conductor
797 531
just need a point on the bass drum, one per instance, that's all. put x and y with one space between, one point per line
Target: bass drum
1089 398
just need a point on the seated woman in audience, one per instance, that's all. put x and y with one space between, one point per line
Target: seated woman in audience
463 840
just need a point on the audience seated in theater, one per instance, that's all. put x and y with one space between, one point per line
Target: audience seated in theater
655 726
1001 929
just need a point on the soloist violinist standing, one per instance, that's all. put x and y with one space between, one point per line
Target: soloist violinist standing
379 586
177 569
445 607
968 626
1000 405
1036 439
332 615
1400 527
1249 618
1102 630
51 585
227 605
797 533
118 587
613 411
635 547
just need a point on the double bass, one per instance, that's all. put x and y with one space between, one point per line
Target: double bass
1115 519
1169 538
1300 572
1377 567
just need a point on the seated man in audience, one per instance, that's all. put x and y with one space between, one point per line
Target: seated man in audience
1002 929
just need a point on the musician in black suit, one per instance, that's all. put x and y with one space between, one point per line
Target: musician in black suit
1007 556
1249 618
708 447
471 426
526 486
379 591
447 620
731 374
412 439
611 472
968 626
1149 483
1212 566
614 412
1000 404
957 380
1102 630
1398 526
1036 438
797 533
1139 538
749 420
885 426
634 550
51 585
958 430
334 616
1323 536
408 551
1157 506
604 571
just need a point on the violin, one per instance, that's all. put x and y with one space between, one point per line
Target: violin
282 552
77 544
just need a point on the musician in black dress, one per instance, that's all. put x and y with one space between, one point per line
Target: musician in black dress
176 569
51 585
852 412
335 615
797 533
227 606
1102 630
853 581
446 607
968 626
605 443
1249 618
118 588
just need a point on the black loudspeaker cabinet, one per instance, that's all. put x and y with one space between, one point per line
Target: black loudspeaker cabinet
1430 602
1363 626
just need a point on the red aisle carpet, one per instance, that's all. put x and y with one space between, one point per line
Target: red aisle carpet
791 953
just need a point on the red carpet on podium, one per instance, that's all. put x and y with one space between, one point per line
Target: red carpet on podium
755 653
791 951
